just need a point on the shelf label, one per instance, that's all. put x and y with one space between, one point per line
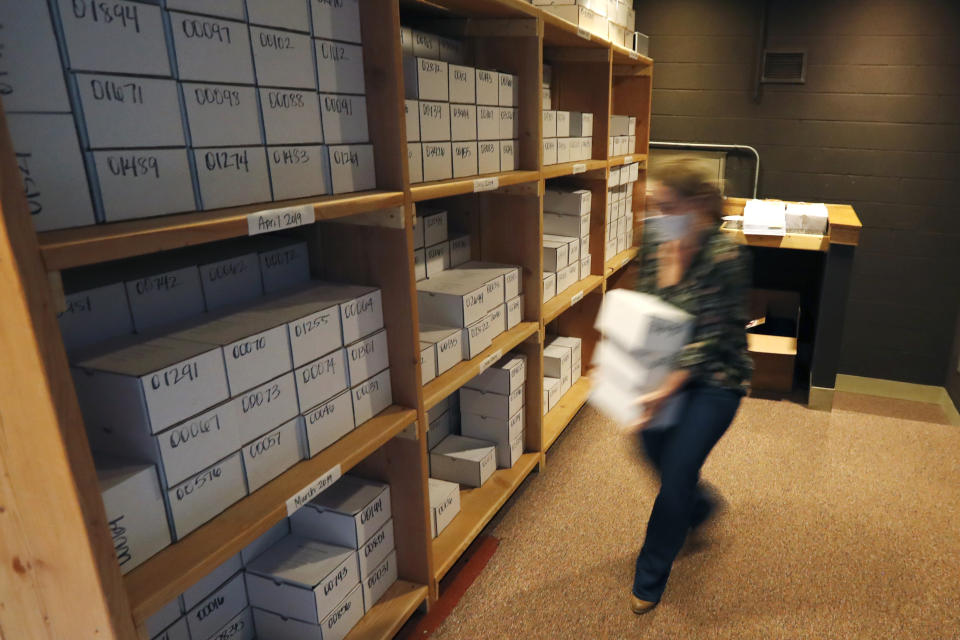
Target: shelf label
583 33
486 184
633 55
627 159
490 359
277 219
576 298
312 490
580 167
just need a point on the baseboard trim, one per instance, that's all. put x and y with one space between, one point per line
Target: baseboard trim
821 399
901 391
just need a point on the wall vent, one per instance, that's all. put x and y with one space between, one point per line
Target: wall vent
784 67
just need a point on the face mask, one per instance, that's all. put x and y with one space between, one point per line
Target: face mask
670 227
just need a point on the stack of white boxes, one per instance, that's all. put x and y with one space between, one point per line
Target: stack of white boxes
623 136
566 239
443 420
262 103
641 337
547 89
434 249
562 367
492 407
567 136
224 404
460 121
614 20
619 219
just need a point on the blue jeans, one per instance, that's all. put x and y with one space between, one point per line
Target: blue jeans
678 453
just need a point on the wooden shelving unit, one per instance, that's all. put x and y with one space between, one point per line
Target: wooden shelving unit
70 585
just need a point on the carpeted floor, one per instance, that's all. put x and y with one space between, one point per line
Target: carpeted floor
842 525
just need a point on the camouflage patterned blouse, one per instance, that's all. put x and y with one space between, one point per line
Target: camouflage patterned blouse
714 290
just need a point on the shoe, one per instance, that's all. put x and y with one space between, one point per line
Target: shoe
639 606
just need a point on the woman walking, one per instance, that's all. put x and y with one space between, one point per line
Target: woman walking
688 262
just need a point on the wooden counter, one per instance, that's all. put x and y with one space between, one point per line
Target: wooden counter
844 228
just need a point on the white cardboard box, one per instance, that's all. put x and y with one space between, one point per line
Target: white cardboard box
135 510
52 169
33 80
566 202
347 514
514 311
322 379
463 460
434 121
335 626
412 112
549 286
585 261
95 315
488 153
563 150
488 123
344 118
554 255
549 123
153 384
270 455
313 318
464 159
444 503
164 298
507 123
452 300
290 116
328 422
448 344
200 498
549 151
218 608
436 259
123 111
463 122
551 387
586 125
437 161
285 14
375 549
415 161
232 176
508 155
297 172
210 582
459 250
339 20
575 124
272 536
463 84
230 281
498 320
509 90
282 58
568 276
556 364
379 580
139 183
351 168
478 336
420 264
503 377
434 223
488 87
223 8
371 397
503 432
433 81
301 579
638 371
367 357
563 124
426 45
511 285
442 426
653 324
239 628
339 67
133 43
175 631
560 224
489 404
211 49
428 362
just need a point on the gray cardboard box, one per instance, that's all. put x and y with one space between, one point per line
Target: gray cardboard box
135 510
464 159
291 116
221 115
367 357
328 422
488 87
282 58
139 183
348 513
218 609
298 172
284 266
434 121
415 161
452 51
344 118
463 84
444 503
283 14
52 169
301 579
463 122
379 580
152 383
202 497
459 250
337 20
488 155
95 315
232 176
351 168
159 299
133 43
263 408
231 280
270 455
33 80
426 45
488 124
322 379
125 111
222 8
437 161
463 460
448 344
372 396
339 67
222 56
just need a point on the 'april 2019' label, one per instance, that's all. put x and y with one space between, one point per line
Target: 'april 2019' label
277 219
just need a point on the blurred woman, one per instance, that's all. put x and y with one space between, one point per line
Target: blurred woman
688 262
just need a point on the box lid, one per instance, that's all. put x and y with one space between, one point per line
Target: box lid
317 296
464 448
551 384
451 282
299 561
348 495
138 356
434 333
439 490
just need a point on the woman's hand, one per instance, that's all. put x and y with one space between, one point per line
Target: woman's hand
650 403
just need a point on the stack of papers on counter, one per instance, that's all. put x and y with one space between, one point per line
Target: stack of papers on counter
764 218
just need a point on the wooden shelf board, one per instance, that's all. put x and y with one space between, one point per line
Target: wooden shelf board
799 241
616 161
167 574
474 9
445 384
391 612
567 407
563 301
622 55
477 508
567 168
557 32
104 242
459 186
620 260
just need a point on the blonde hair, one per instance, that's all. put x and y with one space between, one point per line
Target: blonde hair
688 180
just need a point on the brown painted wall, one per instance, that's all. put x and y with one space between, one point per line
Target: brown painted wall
953 375
877 125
